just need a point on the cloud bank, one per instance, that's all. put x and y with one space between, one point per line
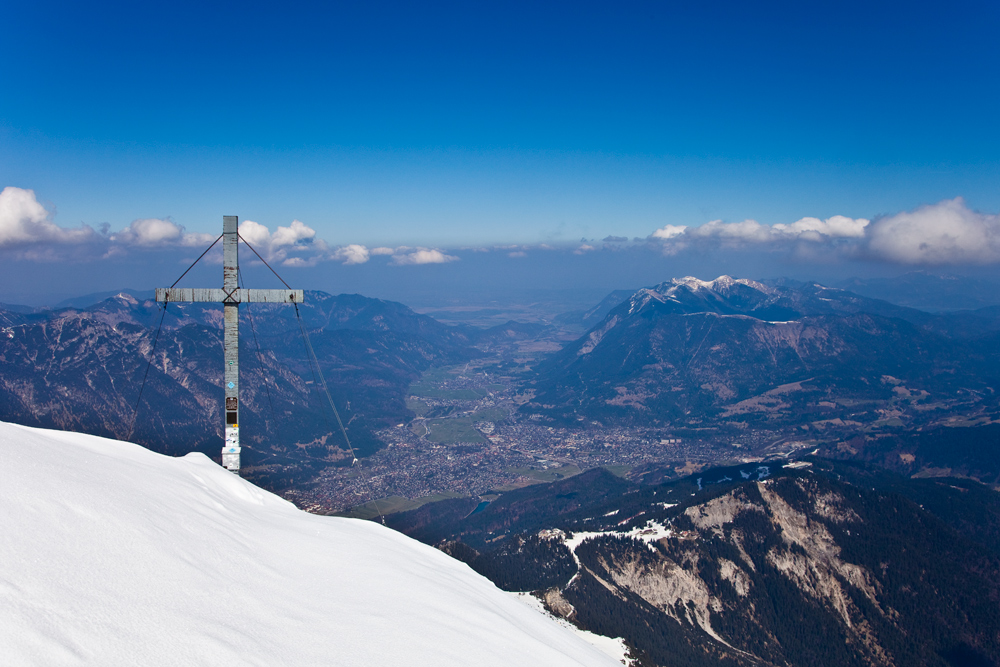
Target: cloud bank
298 245
947 232
401 256
28 232
750 232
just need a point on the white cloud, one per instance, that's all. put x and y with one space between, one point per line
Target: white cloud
669 232
750 232
150 231
256 234
295 245
839 232
944 233
807 229
421 256
296 233
301 261
157 232
814 229
352 254
24 221
948 232
27 231
400 256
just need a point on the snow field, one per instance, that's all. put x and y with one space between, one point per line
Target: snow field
113 555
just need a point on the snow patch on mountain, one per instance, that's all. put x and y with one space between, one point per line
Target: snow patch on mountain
690 294
720 284
114 555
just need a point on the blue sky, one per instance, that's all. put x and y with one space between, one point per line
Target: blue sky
444 125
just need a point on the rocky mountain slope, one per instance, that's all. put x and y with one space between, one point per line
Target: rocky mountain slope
82 370
806 563
688 351
114 555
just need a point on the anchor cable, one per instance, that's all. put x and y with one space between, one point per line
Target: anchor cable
263 260
314 360
197 260
316 371
152 352
322 381
166 300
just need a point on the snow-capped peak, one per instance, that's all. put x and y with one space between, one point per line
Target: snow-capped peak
720 284
694 283
127 298
691 294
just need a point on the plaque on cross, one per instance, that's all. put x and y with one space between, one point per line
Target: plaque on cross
231 296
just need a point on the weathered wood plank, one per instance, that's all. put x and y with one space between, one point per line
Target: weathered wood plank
214 295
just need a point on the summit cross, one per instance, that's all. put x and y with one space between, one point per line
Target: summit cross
230 296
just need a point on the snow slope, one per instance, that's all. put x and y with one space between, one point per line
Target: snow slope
113 555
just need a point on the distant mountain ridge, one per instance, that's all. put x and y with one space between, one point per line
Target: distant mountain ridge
929 291
769 302
687 350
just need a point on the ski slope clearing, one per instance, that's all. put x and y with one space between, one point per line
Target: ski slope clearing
113 555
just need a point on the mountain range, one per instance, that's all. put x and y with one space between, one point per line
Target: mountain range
689 352
833 558
82 370
805 562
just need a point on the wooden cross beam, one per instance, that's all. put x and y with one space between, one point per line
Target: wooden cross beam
231 296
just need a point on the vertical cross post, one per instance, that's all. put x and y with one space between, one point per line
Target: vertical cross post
231 341
230 296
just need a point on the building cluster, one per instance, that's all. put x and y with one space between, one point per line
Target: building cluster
415 464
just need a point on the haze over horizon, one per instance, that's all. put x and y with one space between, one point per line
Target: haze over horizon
403 151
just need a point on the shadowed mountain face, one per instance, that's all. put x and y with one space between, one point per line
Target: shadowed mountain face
689 351
82 370
818 563
800 571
